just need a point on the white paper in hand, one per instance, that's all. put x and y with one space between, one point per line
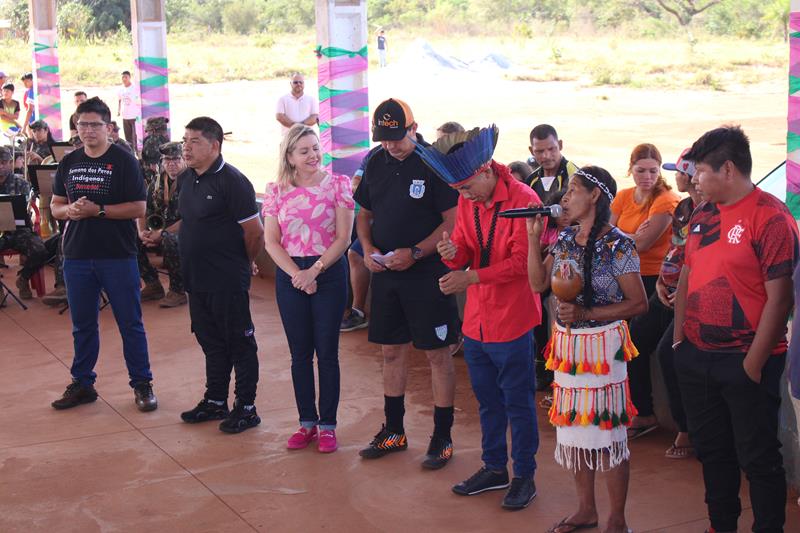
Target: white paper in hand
381 259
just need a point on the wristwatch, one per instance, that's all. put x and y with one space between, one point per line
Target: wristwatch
416 253
102 212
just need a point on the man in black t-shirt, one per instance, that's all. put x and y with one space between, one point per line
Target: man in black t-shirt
220 234
99 191
405 208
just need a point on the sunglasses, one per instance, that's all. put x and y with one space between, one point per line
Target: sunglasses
298 82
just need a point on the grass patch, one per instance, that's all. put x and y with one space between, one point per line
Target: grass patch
599 60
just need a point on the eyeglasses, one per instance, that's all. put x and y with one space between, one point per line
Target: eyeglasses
166 159
298 82
90 125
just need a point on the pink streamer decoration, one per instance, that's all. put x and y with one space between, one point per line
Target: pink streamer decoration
45 60
147 67
340 68
350 101
348 134
794 21
794 57
362 123
792 169
346 137
348 165
160 94
325 113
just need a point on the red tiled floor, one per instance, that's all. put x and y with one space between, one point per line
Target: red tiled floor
108 467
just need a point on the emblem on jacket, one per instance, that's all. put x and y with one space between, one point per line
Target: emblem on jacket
416 189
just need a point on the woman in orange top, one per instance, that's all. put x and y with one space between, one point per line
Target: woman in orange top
645 212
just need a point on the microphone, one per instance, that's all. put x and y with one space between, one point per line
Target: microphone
554 211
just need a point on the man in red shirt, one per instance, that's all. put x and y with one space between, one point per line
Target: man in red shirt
501 308
732 305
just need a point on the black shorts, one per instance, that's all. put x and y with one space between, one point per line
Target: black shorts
412 309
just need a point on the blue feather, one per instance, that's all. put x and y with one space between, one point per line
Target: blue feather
462 163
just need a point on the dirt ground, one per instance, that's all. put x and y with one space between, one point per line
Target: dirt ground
599 125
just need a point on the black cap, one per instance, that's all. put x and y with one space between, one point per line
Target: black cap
391 120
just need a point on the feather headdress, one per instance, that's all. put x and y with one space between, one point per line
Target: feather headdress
457 157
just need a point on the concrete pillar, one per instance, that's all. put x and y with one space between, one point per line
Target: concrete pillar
790 407
46 77
342 76
149 30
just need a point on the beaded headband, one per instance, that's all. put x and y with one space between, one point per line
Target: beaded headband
600 185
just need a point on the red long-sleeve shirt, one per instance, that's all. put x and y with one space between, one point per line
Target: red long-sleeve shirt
502 306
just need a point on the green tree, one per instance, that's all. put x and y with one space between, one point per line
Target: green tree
242 17
73 18
288 15
684 12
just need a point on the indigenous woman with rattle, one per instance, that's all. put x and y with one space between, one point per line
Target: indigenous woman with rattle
593 269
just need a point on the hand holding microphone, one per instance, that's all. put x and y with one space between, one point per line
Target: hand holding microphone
533 215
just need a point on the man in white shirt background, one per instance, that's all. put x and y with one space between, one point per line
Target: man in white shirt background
296 107
128 108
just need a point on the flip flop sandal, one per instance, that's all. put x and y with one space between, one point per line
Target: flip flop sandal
546 402
635 433
574 527
679 452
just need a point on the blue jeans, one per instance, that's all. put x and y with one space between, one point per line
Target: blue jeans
119 278
503 379
311 323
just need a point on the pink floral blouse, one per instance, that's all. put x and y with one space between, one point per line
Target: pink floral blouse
307 215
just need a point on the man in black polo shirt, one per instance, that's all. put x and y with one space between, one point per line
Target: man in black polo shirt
99 190
220 234
554 170
405 208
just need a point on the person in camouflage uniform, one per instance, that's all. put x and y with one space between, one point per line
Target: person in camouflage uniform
155 135
159 229
23 240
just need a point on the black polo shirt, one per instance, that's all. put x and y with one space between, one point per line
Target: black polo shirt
211 239
406 200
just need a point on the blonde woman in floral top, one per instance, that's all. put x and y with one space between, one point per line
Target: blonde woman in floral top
308 219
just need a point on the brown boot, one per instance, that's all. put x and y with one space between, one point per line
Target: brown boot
152 291
174 299
23 288
57 297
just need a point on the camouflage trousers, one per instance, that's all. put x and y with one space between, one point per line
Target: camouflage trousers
172 262
53 245
27 243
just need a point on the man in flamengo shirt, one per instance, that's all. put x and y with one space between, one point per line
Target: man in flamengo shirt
501 308
99 190
732 305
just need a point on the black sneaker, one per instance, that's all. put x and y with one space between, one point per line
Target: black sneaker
205 411
385 442
145 399
239 419
520 494
481 481
356 320
440 450
75 395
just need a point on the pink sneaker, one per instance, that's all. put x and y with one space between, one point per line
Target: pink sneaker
301 438
327 441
